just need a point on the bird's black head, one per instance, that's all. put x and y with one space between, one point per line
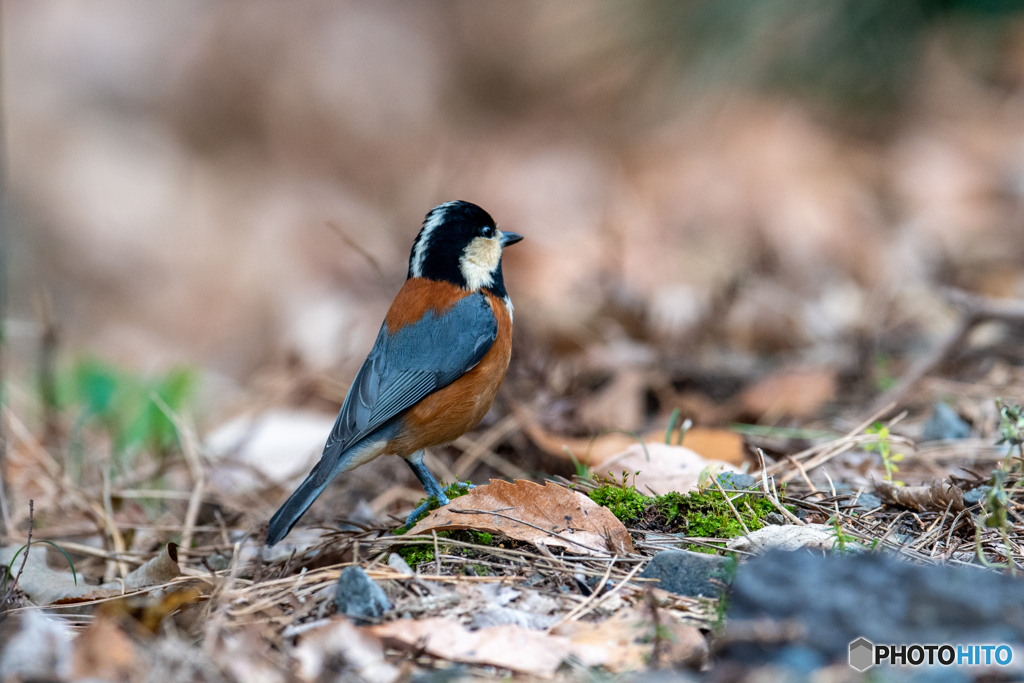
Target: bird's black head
460 243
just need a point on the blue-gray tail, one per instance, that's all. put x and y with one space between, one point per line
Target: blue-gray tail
296 505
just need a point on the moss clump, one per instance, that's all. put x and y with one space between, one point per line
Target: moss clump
703 514
707 514
415 555
625 502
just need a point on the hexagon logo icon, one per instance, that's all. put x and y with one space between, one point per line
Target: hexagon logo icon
862 654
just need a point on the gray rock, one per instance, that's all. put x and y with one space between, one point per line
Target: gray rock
733 481
687 573
974 496
837 599
868 501
945 424
398 563
359 597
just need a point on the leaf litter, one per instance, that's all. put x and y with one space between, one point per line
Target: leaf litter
511 577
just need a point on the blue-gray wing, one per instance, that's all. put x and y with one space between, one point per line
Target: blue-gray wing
405 367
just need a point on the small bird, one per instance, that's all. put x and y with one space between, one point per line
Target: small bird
436 366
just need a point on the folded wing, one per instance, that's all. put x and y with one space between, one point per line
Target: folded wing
406 366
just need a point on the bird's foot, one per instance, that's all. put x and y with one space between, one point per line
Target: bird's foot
442 500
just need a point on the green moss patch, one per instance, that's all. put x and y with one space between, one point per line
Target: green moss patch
417 554
703 514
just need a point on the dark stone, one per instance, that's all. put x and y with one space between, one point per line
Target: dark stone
945 424
868 501
733 481
974 496
359 597
687 573
840 598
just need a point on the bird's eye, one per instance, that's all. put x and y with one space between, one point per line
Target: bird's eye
487 232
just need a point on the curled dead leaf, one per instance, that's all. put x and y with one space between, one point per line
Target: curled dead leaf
936 497
45 586
547 515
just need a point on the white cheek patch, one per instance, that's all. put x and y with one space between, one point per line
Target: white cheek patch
480 260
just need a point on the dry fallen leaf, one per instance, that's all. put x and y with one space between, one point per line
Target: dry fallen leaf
792 392
45 586
322 648
936 497
786 537
715 444
103 653
591 452
509 647
624 641
662 468
542 515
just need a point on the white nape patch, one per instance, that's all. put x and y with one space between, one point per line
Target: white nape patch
437 216
510 307
480 260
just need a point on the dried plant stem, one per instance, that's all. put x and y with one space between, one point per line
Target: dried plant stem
190 448
571 616
732 507
772 499
24 558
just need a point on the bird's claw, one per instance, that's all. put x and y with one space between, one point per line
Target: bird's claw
442 500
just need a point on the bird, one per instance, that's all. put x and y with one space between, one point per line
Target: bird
436 366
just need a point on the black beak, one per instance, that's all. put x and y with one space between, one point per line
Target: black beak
508 238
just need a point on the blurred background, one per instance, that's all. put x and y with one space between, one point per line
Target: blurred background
215 201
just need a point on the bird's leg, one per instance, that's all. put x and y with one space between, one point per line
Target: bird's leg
430 485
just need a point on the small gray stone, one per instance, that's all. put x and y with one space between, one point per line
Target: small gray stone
975 496
734 481
687 573
945 424
868 501
398 563
359 597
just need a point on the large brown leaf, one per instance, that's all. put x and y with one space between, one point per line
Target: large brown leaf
547 515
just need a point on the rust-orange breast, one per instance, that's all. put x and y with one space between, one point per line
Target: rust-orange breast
448 413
